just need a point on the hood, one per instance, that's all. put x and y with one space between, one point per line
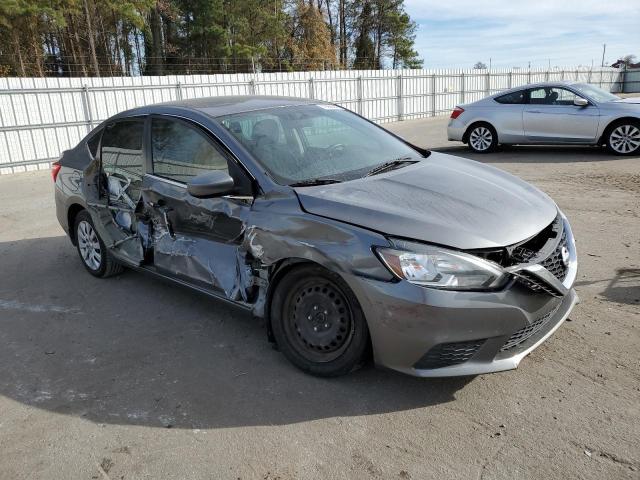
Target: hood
442 199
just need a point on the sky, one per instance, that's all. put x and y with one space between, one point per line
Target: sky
459 33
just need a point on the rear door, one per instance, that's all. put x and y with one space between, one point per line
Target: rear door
194 239
112 187
551 117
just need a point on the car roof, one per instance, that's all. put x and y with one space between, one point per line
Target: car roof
225 105
528 86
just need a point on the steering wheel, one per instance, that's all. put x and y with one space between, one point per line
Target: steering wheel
336 148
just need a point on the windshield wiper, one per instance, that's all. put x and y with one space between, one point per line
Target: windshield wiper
391 165
314 181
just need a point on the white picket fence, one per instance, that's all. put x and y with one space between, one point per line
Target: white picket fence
41 117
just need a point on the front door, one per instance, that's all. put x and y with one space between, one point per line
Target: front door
196 240
551 117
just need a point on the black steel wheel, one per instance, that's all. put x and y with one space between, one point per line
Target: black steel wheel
318 323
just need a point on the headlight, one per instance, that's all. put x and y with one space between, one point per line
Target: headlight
439 267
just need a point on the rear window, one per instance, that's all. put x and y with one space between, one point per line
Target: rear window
513 98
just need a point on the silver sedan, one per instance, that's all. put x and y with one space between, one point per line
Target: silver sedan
549 113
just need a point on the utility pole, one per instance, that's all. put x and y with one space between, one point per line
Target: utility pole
604 49
489 63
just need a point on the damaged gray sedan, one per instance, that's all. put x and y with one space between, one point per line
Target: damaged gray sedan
347 240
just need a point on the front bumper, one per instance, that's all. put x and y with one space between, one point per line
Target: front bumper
474 332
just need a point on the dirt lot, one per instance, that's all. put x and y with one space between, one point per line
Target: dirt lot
132 378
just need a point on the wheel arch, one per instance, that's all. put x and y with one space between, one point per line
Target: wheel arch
72 212
278 272
613 123
465 137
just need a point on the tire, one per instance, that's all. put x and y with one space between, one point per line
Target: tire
94 255
482 138
623 138
317 322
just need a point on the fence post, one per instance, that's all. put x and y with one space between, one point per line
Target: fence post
546 75
510 80
561 74
400 105
433 95
179 91
311 92
529 76
359 94
487 81
252 86
86 106
462 87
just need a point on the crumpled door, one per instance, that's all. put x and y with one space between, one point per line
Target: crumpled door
198 240
112 188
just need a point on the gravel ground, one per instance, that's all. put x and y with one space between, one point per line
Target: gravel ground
132 378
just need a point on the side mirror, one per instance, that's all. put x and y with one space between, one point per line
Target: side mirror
580 102
211 184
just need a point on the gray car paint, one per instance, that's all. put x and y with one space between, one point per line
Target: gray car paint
544 124
236 247
442 199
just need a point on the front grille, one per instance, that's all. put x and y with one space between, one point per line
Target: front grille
532 282
545 249
447 354
554 262
527 332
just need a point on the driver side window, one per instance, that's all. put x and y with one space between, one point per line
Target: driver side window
551 96
180 152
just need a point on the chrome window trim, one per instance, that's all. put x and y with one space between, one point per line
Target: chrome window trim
167 180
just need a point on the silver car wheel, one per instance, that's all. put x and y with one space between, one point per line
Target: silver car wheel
480 138
89 245
625 139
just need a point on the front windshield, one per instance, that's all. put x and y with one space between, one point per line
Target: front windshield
307 142
595 93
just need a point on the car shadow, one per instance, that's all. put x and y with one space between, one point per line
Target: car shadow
535 154
624 287
135 350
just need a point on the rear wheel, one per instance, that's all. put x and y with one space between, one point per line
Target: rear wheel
94 255
482 138
317 322
624 138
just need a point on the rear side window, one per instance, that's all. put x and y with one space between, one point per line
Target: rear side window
512 98
180 152
121 149
121 158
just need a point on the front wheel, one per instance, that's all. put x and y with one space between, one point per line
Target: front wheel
624 138
317 322
482 138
